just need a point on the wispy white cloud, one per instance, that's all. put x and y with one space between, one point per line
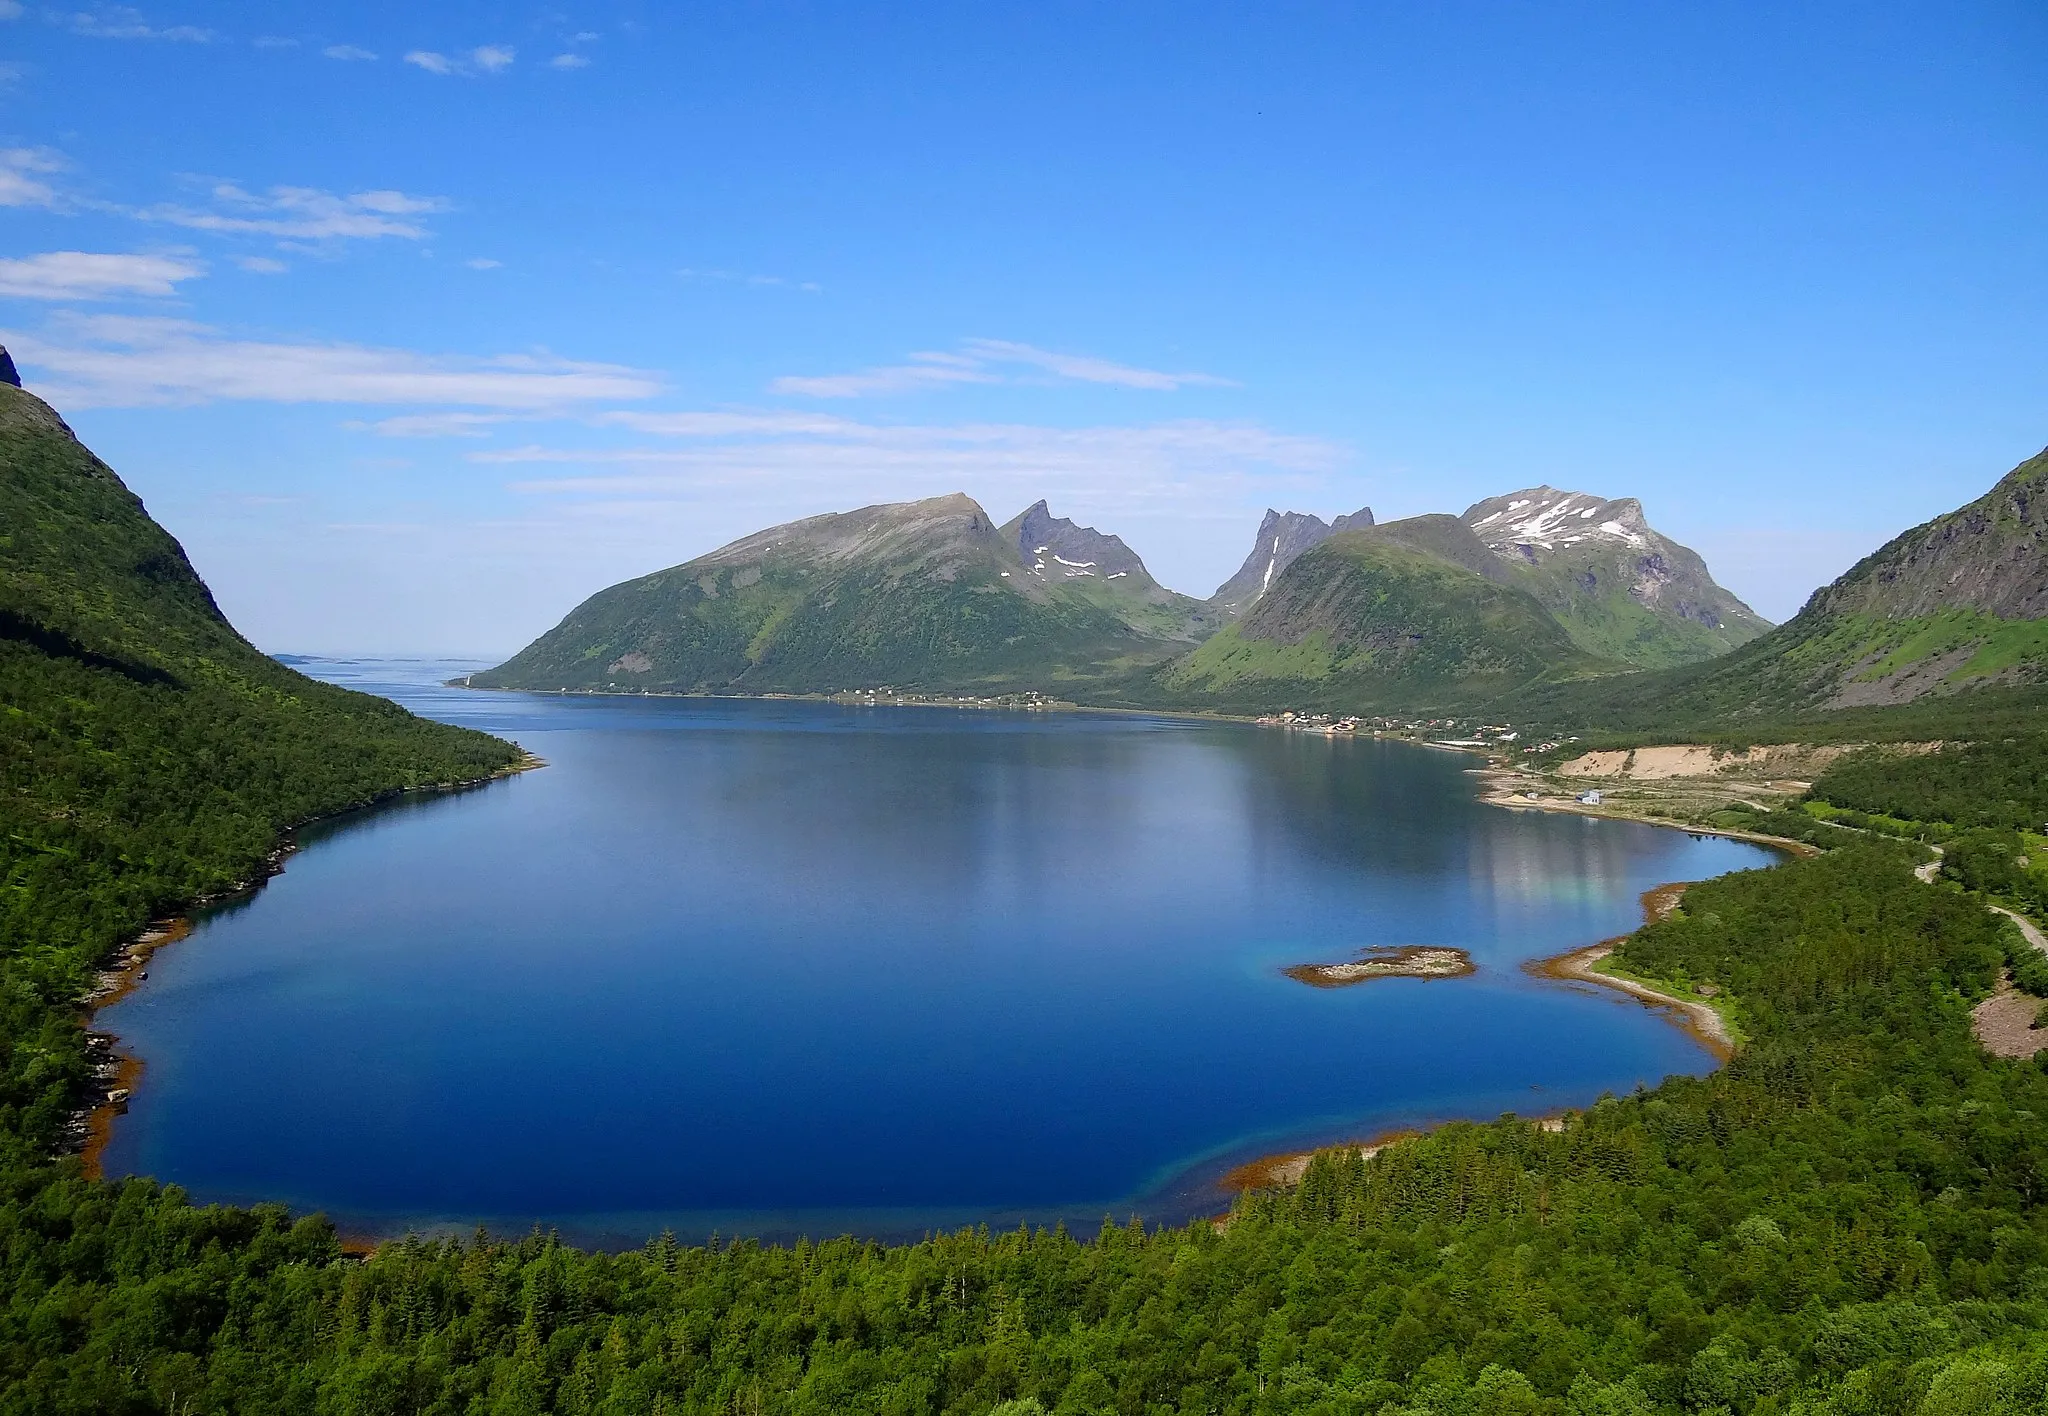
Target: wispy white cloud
569 61
988 361
129 361
833 459
126 22
729 424
21 176
925 371
436 425
10 9
303 214
484 59
482 263
261 265
1087 369
350 53
736 277
85 275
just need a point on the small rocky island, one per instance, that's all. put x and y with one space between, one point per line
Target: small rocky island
1395 961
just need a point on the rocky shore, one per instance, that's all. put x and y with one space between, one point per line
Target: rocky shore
1400 961
115 1074
1696 1016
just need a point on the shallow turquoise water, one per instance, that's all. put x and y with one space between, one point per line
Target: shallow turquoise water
775 967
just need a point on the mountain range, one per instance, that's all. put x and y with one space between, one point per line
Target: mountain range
1534 586
1539 600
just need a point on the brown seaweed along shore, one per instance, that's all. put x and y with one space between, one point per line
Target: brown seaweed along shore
1699 1021
116 1073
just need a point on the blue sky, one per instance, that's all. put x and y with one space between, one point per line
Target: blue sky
419 323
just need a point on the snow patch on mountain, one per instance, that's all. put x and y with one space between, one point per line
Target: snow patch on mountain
1542 517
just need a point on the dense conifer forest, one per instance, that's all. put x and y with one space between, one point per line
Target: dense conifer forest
1848 1218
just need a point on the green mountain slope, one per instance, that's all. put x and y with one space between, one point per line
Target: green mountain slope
148 754
926 595
1620 588
1411 613
1959 603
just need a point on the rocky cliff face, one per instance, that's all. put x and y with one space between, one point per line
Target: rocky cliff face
1990 556
1956 604
1100 568
1283 536
1054 549
1617 585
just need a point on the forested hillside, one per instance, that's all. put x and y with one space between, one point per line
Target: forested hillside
148 756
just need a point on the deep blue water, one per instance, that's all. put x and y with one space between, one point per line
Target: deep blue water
769 967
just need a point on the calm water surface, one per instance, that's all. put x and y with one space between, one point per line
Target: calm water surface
777 967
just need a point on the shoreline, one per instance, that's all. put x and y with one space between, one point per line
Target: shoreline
1700 1021
90 1130
1496 792
1284 1169
118 1073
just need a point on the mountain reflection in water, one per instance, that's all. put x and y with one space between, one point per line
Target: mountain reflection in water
770 967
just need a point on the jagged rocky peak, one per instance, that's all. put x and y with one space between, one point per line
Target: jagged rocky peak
1523 524
1283 537
8 373
1053 548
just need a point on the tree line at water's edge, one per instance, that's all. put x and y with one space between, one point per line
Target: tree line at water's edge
1848 1218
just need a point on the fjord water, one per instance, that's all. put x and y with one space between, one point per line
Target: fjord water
778 967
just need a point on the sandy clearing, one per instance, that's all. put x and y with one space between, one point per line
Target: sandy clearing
2004 1023
1658 764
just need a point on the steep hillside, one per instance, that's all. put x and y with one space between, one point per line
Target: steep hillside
1620 589
1283 536
1413 613
148 753
1105 570
1958 603
926 595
